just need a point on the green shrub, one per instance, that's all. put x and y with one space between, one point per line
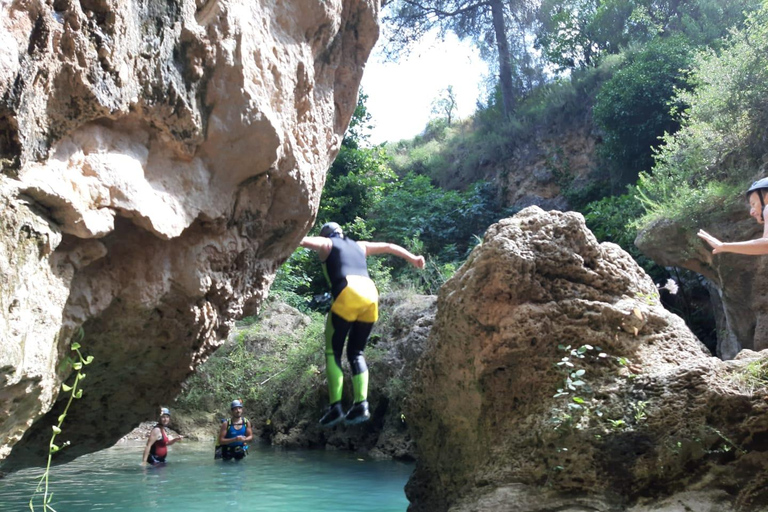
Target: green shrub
716 153
633 107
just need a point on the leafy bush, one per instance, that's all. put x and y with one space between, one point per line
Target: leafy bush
611 219
632 107
716 153
262 369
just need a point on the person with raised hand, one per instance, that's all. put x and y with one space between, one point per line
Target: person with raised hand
756 196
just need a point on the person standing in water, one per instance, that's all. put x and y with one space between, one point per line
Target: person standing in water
758 210
354 310
235 434
156 449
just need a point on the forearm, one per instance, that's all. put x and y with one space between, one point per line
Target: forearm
755 247
403 253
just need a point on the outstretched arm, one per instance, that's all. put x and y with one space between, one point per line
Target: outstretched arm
755 247
174 440
320 244
374 248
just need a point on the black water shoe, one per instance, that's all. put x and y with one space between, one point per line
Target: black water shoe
358 413
334 415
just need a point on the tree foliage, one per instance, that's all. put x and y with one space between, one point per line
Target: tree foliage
488 23
445 105
576 33
720 145
633 107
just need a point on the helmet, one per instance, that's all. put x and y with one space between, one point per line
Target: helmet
330 229
165 411
758 185
236 403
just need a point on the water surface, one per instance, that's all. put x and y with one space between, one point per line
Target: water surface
268 479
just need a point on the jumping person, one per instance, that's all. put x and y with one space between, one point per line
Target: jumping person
235 434
756 195
158 441
353 312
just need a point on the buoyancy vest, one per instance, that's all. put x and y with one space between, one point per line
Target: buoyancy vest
233 432
347 258
160 447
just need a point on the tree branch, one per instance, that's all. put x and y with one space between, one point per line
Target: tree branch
446 14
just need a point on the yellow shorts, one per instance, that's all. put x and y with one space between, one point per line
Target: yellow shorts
358 301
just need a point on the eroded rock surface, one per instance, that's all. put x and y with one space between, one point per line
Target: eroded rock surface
553 379
736 280
159 161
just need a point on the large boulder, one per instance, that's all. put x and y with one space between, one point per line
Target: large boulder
553 379
160 160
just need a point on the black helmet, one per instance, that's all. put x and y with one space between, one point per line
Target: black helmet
330 229
758 185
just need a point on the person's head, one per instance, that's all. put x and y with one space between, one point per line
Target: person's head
756 198
165 415
236 407
331 229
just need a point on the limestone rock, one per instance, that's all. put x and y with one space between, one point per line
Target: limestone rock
159 161
553 379
740 309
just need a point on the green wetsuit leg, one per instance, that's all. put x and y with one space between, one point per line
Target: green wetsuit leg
358 338
336 329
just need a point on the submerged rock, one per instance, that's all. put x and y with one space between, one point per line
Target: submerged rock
159 161
553 379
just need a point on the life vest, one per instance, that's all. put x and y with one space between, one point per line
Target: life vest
234 432
160 447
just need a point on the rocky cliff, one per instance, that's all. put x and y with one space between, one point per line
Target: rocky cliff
159 159
553 379
734 280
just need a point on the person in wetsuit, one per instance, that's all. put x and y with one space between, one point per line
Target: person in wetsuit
235 434
353 312
757 196
156 449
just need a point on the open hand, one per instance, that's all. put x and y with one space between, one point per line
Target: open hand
716 244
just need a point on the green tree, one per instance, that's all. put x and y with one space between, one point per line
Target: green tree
700 168
633 107
575 33
445 105
486 22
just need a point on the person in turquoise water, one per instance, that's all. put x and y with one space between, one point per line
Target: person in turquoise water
156 449
235 434
756 195
354 310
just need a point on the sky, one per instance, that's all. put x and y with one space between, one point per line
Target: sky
400 94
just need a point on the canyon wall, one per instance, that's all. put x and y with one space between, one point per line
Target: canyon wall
160 160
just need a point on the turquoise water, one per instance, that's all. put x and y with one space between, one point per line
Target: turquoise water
268 479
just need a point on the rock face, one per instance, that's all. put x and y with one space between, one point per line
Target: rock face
740 307
159 159
553 379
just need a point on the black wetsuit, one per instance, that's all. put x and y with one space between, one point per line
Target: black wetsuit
353 313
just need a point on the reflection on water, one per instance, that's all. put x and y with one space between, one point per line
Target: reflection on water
268 479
